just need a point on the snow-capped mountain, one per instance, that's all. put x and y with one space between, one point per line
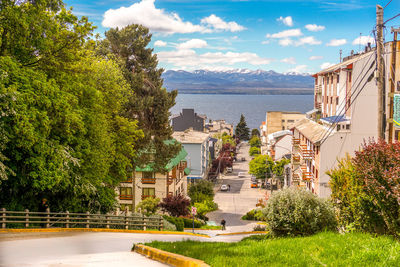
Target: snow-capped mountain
243 81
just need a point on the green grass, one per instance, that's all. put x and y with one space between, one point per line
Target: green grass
210 227
323 249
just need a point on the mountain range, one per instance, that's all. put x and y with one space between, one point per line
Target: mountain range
238 81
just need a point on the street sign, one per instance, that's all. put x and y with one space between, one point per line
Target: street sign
194 210
396 110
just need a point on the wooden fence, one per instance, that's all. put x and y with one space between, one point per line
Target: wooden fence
29 219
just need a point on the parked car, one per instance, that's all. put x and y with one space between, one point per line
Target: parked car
224 187
254 185
253 178
229 169
241 174
243 159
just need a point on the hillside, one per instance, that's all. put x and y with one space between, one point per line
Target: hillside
240 81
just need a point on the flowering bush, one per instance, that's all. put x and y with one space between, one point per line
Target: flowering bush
294 212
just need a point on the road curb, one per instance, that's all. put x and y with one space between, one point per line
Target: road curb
245 233
56 230
168 257
200 229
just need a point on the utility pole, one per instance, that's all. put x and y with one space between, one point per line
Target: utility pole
380 74
392 83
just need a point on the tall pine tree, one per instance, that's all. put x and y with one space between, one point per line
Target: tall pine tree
151 102
242 131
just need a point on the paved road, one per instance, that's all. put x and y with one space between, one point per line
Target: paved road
240 199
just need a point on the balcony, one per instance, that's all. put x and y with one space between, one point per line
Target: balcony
170 180
296 141
318 105
148 180
306 154
318 89
305 174
128 180
125 197
296 177
296 159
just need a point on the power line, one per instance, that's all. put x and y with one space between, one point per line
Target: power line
387 4
391 18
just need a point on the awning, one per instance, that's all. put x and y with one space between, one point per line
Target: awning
194 177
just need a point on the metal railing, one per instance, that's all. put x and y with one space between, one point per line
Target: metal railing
29 219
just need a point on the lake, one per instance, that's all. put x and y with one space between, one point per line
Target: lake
253 107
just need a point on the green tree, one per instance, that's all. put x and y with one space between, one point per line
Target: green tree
255 132
242 131
258 166
148 206
254 151
150 103
201 191
255 142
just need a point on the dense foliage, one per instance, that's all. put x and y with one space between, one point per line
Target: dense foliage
75 112
148 206
366 189
175 205
242 132
255 141
254 151
178 222
254 215
295 212
255 132
200 191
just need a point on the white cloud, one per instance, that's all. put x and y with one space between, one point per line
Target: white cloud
159 20
285 42
315 57
289 60
218 24
286 34
299 69
314 27
189 59
310 40
363 40
326 65
160 43
193 43
336 42
288 21
265 42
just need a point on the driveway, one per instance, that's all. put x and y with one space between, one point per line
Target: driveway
240 199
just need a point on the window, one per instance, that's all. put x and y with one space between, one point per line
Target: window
283 120
337 79
350 77
148 192
347 126
331 100
338 127
148 178
125 193
290 121
316 173
124 206
337 100
332 79
283 128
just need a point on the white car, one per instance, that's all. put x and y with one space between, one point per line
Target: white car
224 187
229 169
241 174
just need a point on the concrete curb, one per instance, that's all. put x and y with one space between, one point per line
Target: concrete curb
200 229
245 233
56 230
168 257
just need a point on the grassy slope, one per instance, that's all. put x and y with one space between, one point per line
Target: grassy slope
324 249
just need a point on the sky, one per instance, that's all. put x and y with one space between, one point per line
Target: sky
284 36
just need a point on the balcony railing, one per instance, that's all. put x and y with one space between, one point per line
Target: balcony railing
296 159
148 180
296 141
126 197
170 180
306 175
296 177
306 153
129 180
318 89
146 196
318 105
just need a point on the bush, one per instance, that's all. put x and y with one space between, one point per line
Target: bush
205 207
168 226
294 212
255 142
198 197
188 223
254 215
259 228
148 206
178 222
175 205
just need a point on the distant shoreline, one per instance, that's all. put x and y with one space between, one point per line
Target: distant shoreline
238 93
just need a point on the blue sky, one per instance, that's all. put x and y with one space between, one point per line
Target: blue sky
284 36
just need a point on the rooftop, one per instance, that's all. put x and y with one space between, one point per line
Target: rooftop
313 131
190 137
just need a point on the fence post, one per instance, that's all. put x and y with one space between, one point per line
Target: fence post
3 218
161 224
107 223
87 219
48 218
144 223
26 218
67 219
126 218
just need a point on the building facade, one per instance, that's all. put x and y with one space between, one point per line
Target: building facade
277 121
144 182
188 119
197 146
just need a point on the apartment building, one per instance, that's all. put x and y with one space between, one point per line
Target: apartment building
279 120
279 145
219 127
345 115
188 119
145 182
197 145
